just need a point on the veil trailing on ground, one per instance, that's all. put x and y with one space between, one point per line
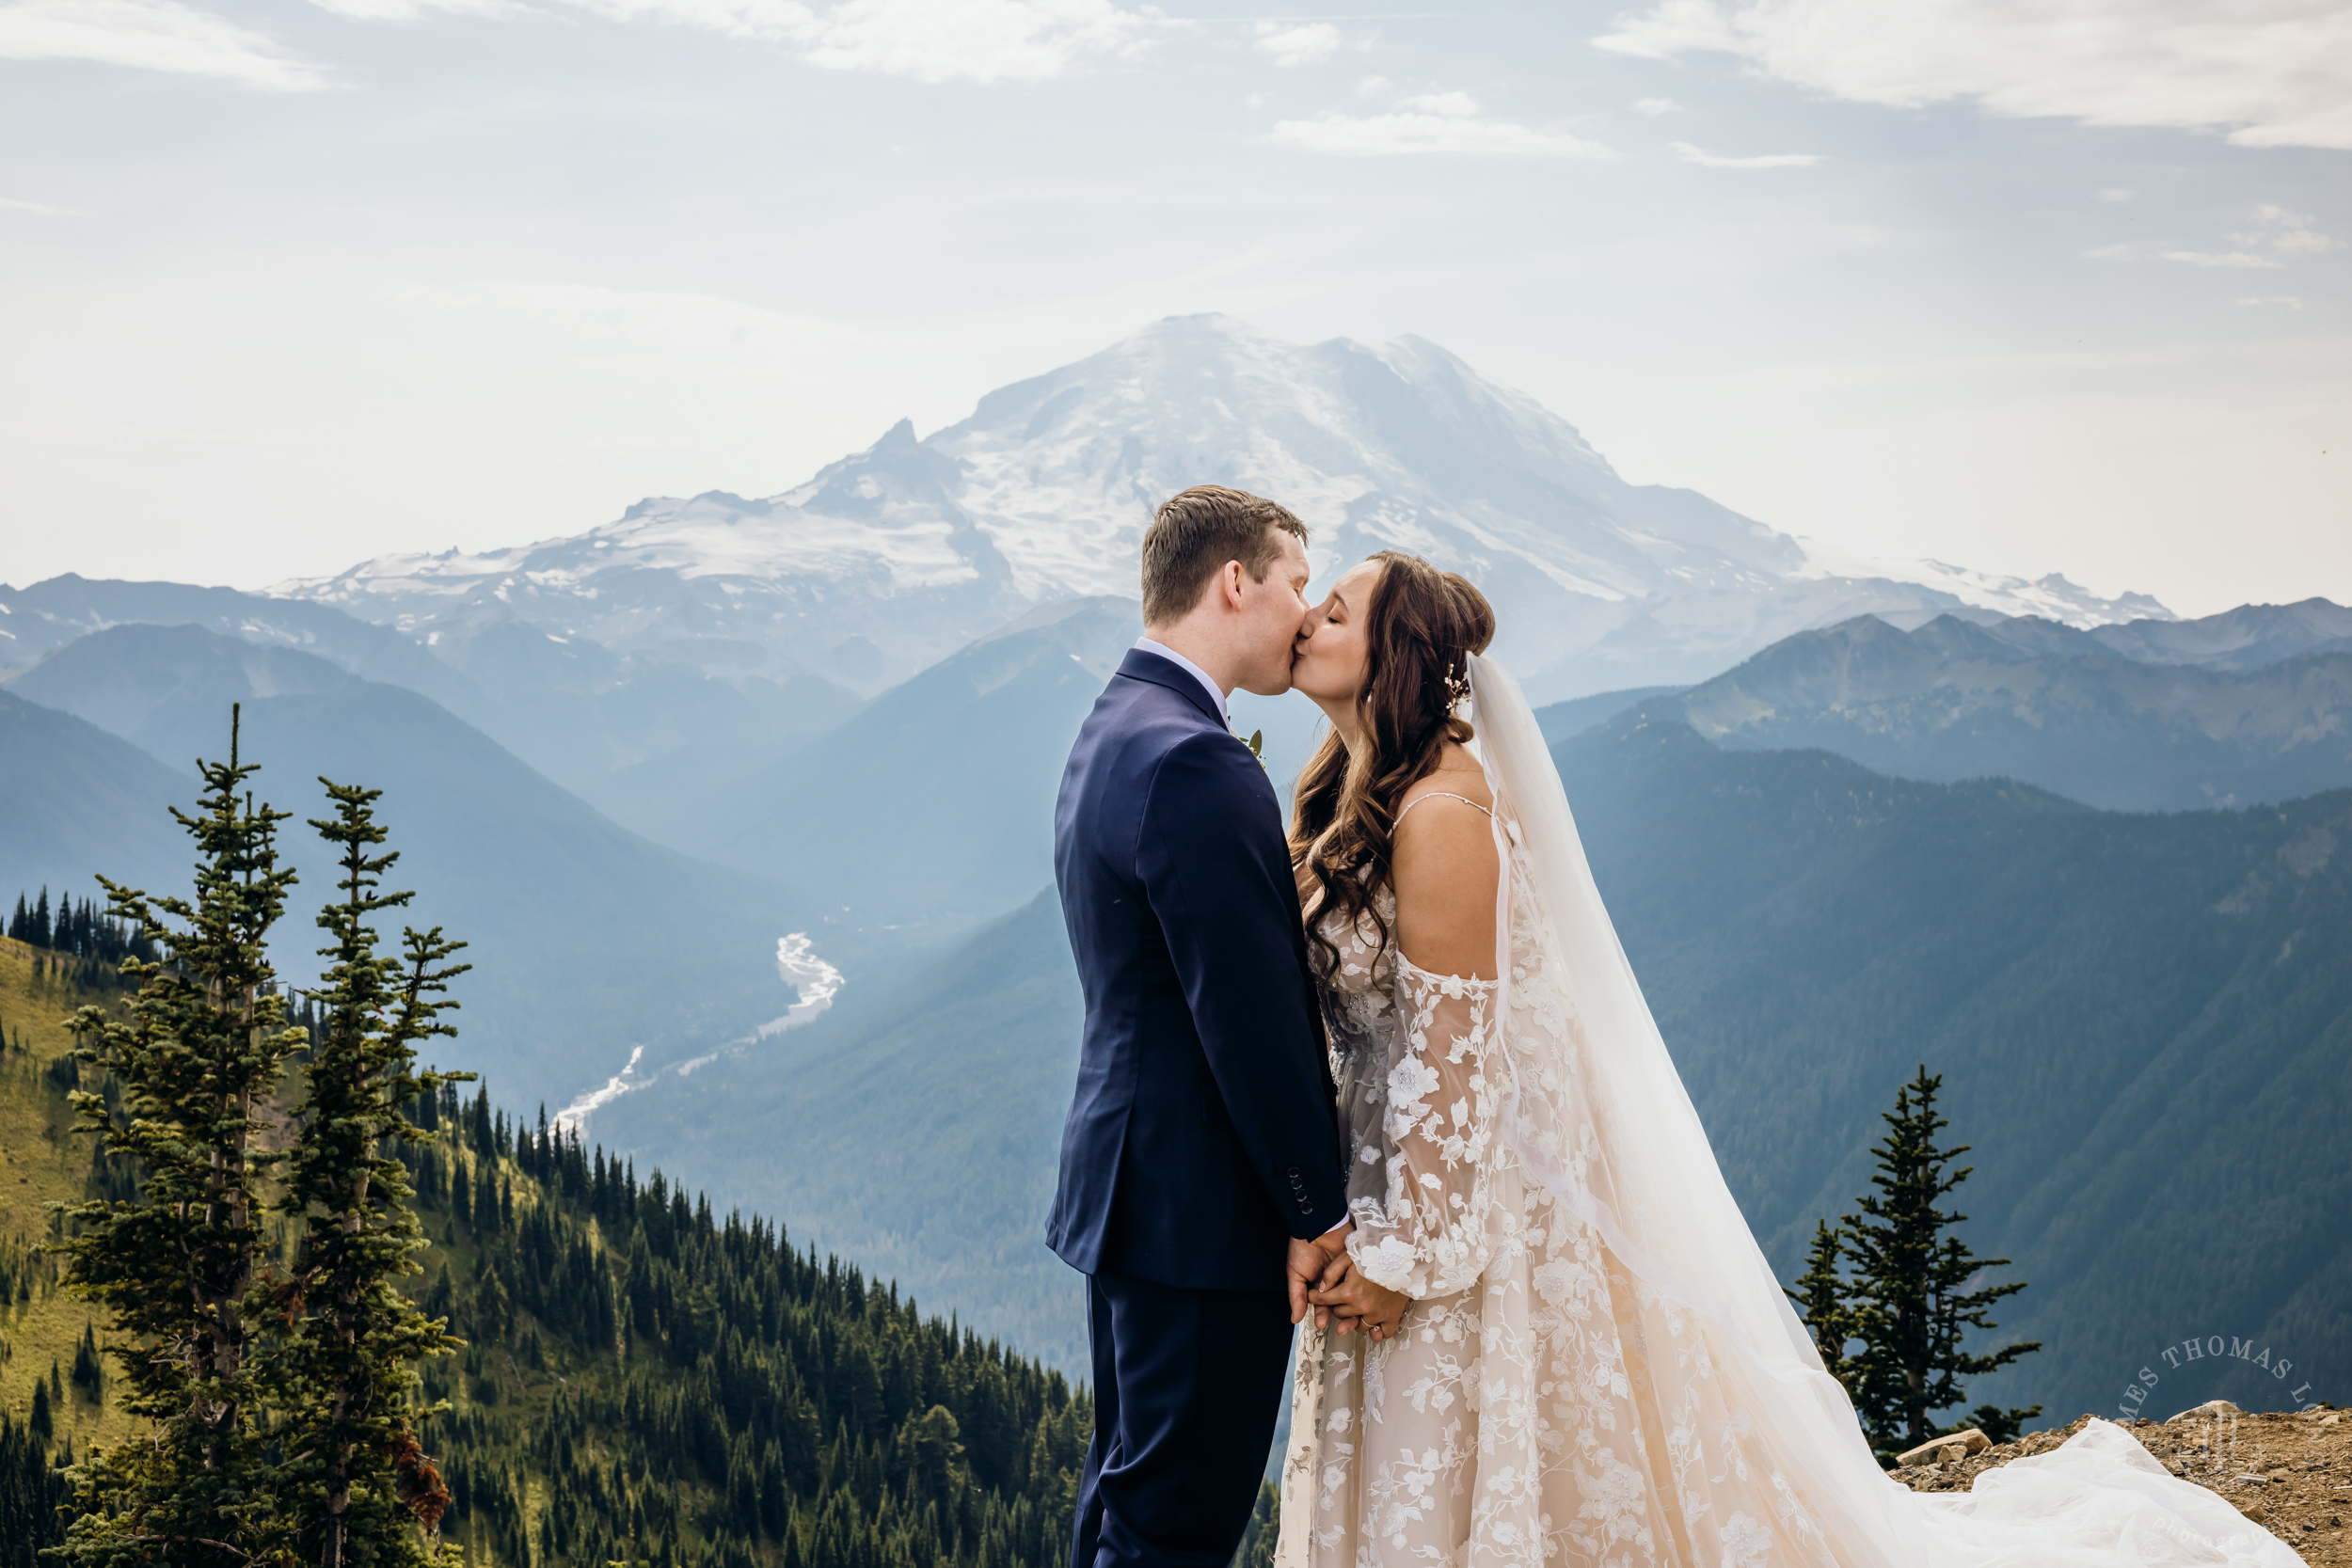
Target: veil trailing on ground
1631 1160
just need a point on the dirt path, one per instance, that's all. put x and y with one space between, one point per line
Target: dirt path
2290 1474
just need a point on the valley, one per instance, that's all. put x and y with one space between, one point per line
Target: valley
2079 855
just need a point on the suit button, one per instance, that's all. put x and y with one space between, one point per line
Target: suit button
1305 1207
1294 1173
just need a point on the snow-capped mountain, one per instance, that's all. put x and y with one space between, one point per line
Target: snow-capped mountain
890 560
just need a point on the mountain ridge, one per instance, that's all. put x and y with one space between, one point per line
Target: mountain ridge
600 940
2253 705
889 559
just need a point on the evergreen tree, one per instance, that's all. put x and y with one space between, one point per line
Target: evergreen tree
178 1264
88 1371
21 922
1820 1298
1265 1529
354 1339
38 933
1911 1307
31 1492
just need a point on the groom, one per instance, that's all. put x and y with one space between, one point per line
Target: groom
1200 1186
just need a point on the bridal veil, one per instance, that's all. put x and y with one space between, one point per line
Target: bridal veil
1613 1137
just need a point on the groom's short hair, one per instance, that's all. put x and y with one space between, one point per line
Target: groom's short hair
1196 532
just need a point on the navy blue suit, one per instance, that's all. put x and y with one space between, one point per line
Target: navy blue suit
1201 1139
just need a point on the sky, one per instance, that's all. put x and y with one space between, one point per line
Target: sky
2026 286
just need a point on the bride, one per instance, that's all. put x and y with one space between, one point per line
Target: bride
1571 1349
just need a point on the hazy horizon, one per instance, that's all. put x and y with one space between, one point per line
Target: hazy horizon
294 283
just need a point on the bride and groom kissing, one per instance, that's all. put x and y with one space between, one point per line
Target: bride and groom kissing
1387 1078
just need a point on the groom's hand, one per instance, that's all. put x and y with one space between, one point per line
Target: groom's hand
1358 1303
1307 1262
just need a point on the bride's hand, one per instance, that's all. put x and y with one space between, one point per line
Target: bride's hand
1356 1302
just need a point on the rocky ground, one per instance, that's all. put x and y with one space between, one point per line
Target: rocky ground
2291 1474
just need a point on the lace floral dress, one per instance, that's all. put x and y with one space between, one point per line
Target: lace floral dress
1599 1368
1537 1402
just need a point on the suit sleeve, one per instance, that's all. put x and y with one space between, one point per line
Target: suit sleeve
1215 869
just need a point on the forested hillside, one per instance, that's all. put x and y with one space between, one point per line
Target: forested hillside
2143 1023
924 1117
644 1381
2072 711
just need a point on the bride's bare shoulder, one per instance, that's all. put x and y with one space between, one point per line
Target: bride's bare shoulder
1444 869
1457 775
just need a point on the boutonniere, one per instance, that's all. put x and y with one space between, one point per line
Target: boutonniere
1257 746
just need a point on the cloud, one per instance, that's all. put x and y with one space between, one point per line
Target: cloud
39 209
2270 74
1301 43
1690 154
151 35
976 40
1657 105
409 11
2227 258
2283 230
2113 195
2288 232
2288 300
1431 122
924 40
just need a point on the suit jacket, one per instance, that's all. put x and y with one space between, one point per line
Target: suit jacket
1201 1136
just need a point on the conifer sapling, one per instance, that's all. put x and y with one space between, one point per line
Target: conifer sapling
354 1340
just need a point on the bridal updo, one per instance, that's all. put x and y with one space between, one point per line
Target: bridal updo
1420 628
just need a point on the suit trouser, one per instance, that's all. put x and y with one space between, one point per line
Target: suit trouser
1187 1384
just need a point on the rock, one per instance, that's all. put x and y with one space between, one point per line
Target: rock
2211 1407
1931 1451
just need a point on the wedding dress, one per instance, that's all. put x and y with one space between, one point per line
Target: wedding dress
1597 1366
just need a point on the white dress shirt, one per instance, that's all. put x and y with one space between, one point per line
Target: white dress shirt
1149 644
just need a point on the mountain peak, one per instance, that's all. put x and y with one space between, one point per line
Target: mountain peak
918 545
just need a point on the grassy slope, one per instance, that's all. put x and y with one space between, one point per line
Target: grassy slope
540 1403
40 1163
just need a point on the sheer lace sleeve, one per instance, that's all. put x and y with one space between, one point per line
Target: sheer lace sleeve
1442 1101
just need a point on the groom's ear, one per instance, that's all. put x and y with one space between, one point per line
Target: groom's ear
1232 585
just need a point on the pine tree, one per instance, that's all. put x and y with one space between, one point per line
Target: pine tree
21 922
178 1265
31 1492
1820 1298
89 1371
38 934
1911 1307
354 1339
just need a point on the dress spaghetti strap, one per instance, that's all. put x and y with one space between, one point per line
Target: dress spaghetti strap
1431 796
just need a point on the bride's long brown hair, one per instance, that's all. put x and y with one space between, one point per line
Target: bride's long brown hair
1421 626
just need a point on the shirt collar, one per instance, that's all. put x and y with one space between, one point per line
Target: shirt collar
1152 646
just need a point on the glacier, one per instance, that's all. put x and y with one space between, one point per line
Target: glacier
889 560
